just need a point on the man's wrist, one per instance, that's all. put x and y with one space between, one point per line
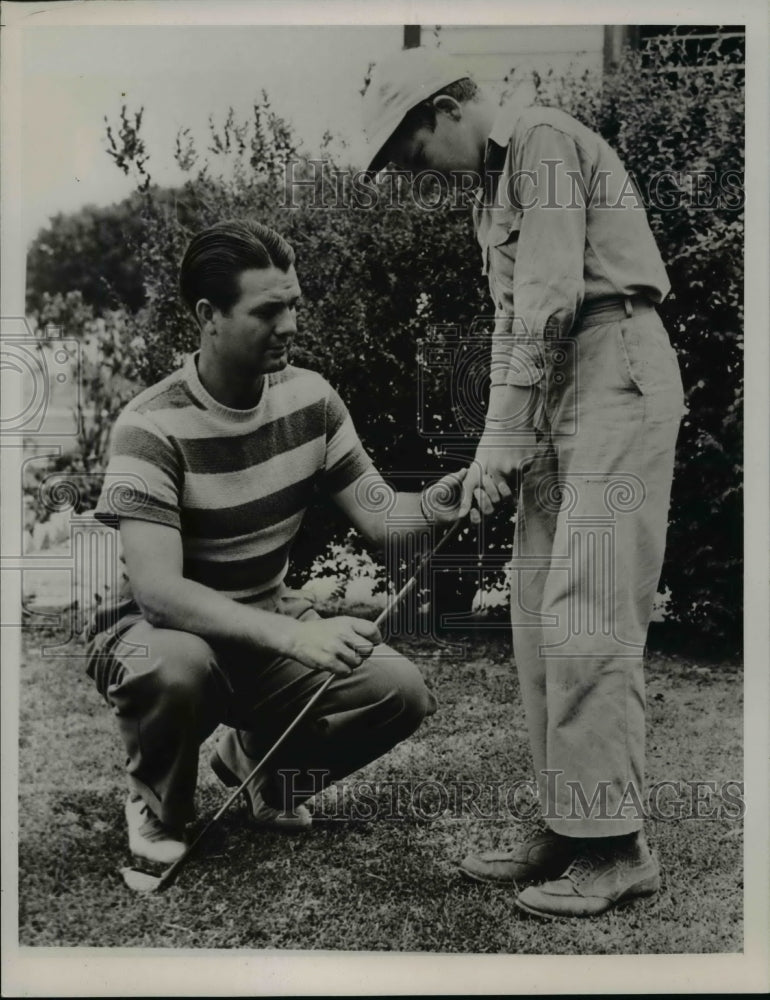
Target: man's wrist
277 633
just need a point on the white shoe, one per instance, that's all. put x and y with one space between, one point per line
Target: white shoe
231 765
150 839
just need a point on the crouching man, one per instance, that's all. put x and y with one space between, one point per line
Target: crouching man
216 465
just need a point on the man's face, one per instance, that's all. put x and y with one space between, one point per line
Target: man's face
256 333
450 149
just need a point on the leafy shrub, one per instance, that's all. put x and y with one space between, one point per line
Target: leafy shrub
347 571
86 250
106 370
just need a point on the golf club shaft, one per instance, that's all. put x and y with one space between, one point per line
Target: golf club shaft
167 877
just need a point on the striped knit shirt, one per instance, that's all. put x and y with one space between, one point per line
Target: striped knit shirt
234 483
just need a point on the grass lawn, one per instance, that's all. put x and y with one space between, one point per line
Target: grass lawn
384 884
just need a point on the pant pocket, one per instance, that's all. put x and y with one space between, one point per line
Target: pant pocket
633 363
650 363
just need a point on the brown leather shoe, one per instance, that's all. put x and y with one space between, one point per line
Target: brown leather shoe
593 884
541 857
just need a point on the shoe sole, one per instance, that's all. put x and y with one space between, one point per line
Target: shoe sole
520 883
158 862
491 880
638 892
231 780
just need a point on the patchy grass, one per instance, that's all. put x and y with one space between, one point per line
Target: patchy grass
385 884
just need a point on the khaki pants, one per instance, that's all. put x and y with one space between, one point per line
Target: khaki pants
588 551
169 690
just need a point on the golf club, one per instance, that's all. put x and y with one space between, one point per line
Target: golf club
141 881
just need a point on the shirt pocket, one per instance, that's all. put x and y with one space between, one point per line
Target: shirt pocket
501 245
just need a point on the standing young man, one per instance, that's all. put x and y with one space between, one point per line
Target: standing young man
584 406
208 480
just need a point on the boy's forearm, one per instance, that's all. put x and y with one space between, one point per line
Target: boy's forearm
511 408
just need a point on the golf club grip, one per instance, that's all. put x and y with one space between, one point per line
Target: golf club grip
168 875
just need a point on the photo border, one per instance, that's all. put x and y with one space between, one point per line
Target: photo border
135 972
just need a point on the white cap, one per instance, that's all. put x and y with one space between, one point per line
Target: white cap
399 83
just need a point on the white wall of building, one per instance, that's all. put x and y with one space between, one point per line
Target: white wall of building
503 57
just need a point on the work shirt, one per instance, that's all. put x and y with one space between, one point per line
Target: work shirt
560 226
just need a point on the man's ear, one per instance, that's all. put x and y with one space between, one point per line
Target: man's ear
448 105
204 313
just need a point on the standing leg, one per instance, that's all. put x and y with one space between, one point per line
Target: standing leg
536 520
546 854
615 475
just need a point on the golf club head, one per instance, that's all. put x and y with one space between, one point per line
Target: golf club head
140 881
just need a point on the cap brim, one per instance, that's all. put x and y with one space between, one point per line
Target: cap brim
380 142
379 160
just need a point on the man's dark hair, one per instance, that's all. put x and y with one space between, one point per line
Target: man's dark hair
423 115
215 257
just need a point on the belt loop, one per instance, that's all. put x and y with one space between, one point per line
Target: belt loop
629 307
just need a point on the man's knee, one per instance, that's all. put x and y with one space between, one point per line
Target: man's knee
186 666
178 668
402 684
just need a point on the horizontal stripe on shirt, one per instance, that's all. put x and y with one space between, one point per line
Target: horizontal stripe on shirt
239 574
234 483
260 514
257 542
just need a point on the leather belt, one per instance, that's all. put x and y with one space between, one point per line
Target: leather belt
608 310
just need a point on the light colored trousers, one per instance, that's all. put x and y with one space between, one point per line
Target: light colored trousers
588 551
169 690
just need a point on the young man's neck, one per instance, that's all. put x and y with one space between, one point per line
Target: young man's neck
232 390
484 114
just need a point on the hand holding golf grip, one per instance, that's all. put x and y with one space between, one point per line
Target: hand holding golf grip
338 645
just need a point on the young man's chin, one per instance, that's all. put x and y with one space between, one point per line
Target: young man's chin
274 362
